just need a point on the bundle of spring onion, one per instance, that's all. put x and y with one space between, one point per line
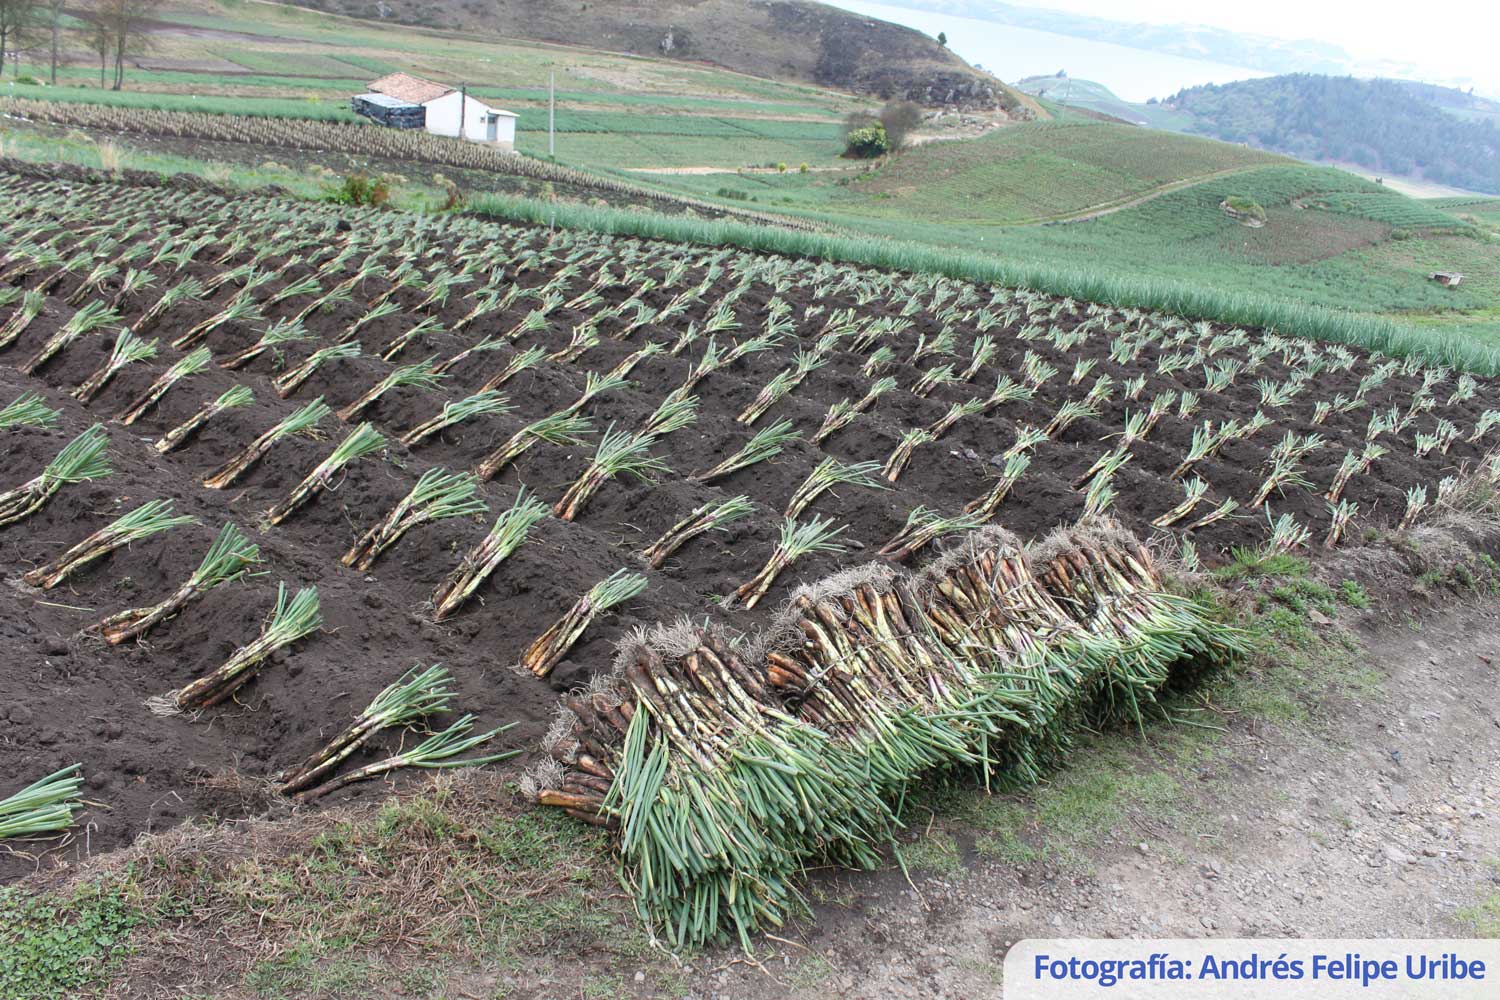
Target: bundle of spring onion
229 557
417 694
150 518
230 399
81 459
291 620
28 409
725 770
363 440
45 806
438 495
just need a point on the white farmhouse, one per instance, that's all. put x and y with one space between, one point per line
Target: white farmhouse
393 100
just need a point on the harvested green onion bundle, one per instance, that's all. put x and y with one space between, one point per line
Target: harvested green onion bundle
28 409
830 473
556 428
81 459
151 518
229 557
709 517
128 350
619 453
765 445
507 535
84 322
45 806
419 375
419 692
29 309
440 750
924 526
230 399
726 770
188 364
455 412
290 621
797 540
240 309
552 645
283 331
363 440
438 495
301 421
289 381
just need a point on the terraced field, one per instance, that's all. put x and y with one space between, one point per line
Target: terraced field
405 441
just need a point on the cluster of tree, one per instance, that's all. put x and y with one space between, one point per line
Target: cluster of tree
45 29
1382 125
867 135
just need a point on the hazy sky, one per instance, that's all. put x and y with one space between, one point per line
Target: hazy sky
1454 39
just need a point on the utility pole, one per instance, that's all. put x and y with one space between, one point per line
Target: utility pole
552 114
463 109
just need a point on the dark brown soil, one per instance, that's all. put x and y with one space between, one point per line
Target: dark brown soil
66 697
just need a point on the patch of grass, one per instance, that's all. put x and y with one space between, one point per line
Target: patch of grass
811 970
1246 563
1483 918
935 852
58 946
1073 811
1354 595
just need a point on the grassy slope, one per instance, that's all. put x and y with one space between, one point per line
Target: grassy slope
271 59
1367 250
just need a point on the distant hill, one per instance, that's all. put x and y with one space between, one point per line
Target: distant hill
775 39
1198 41
1414 130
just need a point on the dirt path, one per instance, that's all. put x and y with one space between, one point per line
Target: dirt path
1376 822
1099 211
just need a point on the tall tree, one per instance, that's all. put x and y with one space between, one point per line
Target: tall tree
17 18
53 11
126 28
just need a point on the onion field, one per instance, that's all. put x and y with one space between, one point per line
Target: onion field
746 544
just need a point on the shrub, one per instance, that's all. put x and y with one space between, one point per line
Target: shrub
1245 206
802 169
867 143
733 194
361 189
900 119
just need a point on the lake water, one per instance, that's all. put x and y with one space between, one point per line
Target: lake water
1015 53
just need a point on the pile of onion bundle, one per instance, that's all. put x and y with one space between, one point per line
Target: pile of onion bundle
81 459
45 806
151 518
726 770
291 620
229 557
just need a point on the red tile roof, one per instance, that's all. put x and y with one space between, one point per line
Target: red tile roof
409 88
